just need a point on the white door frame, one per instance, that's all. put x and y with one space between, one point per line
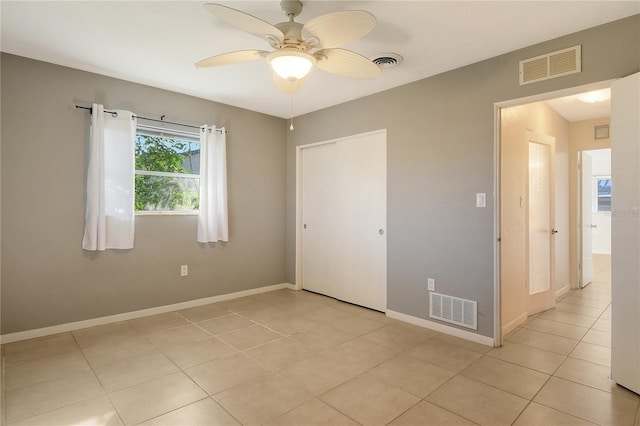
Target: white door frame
497 107
580 236
298 263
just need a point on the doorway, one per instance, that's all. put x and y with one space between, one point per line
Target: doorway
546 115
594 215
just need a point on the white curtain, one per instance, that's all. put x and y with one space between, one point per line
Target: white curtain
213 219
109 212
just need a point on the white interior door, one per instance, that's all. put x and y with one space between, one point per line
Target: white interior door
586 219
540 223
625 232
319 204
362 220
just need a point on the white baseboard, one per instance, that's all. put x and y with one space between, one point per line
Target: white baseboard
77 325
293 286
484 340
563 290
512 325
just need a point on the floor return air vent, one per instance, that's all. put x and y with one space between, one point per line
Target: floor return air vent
454 310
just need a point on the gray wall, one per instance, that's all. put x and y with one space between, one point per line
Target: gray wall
440 153
48 279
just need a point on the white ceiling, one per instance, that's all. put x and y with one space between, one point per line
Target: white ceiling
157 42
578 107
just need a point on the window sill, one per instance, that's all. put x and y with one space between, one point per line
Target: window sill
166 213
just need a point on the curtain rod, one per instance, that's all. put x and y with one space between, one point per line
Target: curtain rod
152 119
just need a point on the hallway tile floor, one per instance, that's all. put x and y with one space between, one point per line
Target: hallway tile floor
297 358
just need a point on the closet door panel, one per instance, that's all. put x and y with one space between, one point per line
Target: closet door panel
362 218
319 213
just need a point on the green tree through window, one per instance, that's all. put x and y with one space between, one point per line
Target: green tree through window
167 174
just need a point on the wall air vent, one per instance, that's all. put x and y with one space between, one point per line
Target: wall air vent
454 310
551 65
601 131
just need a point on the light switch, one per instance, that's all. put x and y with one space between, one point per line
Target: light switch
481 199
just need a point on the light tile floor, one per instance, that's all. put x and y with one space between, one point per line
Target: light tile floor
297 358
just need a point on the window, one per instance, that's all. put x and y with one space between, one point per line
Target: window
604 194
167 177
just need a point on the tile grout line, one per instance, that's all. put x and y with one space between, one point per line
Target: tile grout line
358 375
97 379
105 393
560 378
559 365
184 373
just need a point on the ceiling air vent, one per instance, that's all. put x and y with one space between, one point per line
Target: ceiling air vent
387 60
554 64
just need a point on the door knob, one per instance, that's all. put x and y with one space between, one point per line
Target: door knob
304 226
594 226
380 231
554 231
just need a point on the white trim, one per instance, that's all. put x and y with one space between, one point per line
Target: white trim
512 325
167 212
167 174
563 290
77 325
555 94
442 328
292 286
497 237
298 189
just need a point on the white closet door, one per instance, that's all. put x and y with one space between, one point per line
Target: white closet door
319 204
343 207
362 269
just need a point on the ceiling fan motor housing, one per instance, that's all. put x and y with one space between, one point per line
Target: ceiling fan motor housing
292 36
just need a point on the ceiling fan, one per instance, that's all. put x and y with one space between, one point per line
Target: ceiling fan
298 47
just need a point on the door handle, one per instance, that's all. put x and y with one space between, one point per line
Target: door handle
554 231
594 226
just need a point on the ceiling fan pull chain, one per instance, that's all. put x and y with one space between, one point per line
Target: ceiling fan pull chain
291 126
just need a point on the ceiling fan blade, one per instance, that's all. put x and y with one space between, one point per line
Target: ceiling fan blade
346 63
286 86
339 28
245 22
232 58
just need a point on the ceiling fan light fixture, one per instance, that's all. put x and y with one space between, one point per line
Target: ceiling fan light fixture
291 65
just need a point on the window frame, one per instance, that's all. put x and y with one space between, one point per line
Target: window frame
597 196
180 135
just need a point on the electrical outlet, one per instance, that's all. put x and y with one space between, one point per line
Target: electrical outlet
184 270
431 284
